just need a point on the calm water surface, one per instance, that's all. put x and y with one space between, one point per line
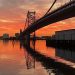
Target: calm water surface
16 60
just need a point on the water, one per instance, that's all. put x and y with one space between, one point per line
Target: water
18 59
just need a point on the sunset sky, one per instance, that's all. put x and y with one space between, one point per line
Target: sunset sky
13 15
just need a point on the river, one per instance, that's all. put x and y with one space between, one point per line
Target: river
18 59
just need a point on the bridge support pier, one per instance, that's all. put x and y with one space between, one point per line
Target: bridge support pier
28 39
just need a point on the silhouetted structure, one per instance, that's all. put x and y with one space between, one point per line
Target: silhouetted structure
17 35
62 39
52 17
5 36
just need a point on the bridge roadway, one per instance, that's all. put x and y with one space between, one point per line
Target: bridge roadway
64 12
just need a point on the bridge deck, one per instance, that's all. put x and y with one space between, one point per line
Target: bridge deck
57 15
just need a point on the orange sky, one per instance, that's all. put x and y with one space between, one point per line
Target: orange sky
13 15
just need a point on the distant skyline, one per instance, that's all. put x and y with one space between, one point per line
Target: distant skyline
13 15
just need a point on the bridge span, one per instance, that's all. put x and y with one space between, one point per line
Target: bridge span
64 12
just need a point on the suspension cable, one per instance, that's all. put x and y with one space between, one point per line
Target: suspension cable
50 7
26 21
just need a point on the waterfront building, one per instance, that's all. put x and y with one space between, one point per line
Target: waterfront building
17 35
65 35
5 36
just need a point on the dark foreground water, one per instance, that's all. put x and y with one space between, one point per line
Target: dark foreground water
18 59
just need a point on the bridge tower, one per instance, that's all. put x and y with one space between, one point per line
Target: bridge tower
29 20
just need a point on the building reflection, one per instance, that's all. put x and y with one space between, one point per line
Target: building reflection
67 54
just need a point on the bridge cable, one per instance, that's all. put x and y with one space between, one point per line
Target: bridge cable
50 7
45 14
26 21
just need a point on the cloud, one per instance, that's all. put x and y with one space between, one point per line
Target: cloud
15 8
5 28
5 21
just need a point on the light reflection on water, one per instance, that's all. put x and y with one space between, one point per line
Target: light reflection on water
15 59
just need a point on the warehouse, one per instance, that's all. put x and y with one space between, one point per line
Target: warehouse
65 35
65 38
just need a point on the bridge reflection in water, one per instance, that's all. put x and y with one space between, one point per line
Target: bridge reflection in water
54 60
17 58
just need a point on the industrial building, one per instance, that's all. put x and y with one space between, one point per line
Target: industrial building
64 35
65 38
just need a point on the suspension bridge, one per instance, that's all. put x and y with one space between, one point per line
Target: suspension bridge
57 15
31 24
